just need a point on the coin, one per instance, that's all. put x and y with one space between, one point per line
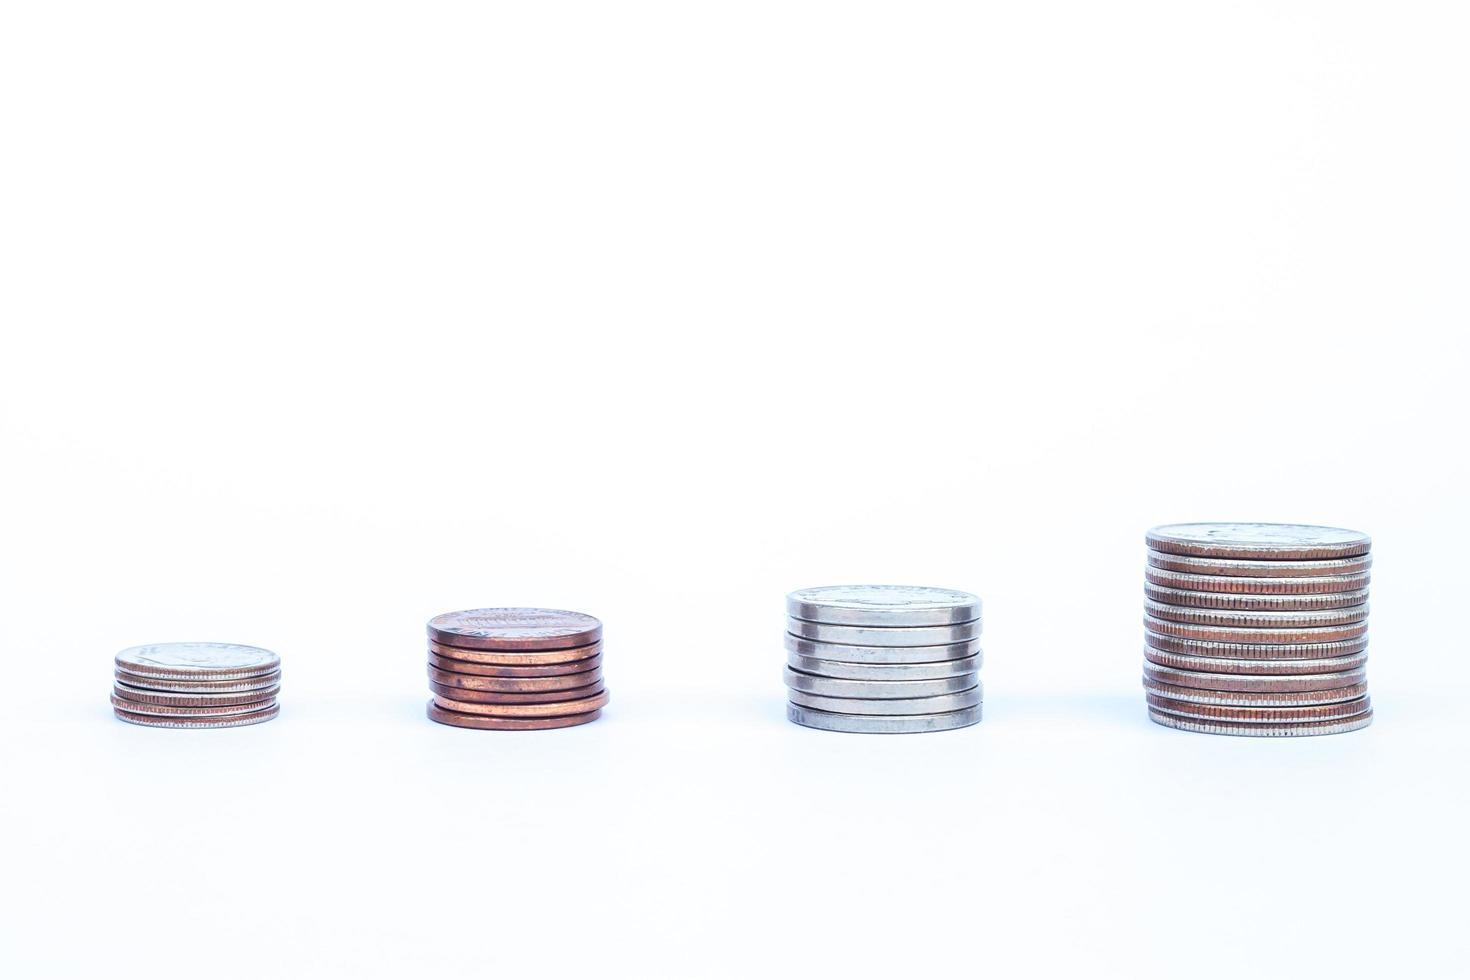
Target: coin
518 670
1256 618
1247 682
1211 712
1239 665
1245 601
197 661
882 724
1234 634
515 629
1283 729
515 658
194 699
856 654
516 697
458 719
884 672
839 688
1257 651
184 711
178 686
1250 567
221 721
559 682
889 706
884 636
1261 586
578 706
883 605
1290 542
1257 699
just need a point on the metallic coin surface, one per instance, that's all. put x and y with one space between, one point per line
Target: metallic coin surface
1278 730
188 711
857 654
197 661
1240 665
557 682
1336 711
1290 542
196 699
883 605
1249 682
548 710
1269 619
515 629
458 719
1250 602
518 670
884 636
1256 699
515 658
216 721
884 672
1256 651
834 687
889 706
1285 586
1253 568
882 724
516 697
1245 634
178 685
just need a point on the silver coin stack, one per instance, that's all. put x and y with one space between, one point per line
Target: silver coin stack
196 685
883 658
1257 629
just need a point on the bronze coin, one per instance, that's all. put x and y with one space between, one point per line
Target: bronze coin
180 686
1247 682
515 697
1251 602
197 699
187 711
1262 586
1244 634
1240 665
519 670
1255 699
1217 712
1257 619
1257 651
515 658
210 721
1259 568
560 682
459 719
515 629
553 709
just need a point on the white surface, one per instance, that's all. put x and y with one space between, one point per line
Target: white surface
320 319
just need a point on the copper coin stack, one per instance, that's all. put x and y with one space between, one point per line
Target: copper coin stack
1257 629
515 669
196 685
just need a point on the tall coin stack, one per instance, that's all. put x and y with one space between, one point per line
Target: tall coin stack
883 658
1257 629
515 669
196 685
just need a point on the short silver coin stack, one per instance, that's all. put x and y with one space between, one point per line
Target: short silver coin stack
883 659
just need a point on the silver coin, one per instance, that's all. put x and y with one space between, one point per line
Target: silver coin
1263 568
193 698
836 687
883 605
197 660
1246 540
882 724
884 672
1256 651
225 721
177 685
1272 683
884 636
195 711
857 654
1282 730
1273 635
1255 699
1259 714
1240 665
1252 602
1267 618
889 706
1257 585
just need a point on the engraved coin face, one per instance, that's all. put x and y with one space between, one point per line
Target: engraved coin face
883 605
515 629
1285 541
197 660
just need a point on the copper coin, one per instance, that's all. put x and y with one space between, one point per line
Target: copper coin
1247 682
196 699
215 721
515 658
1241 634
515 697
1216 712
1248 601
1240 665
459 719
197 661
554 709
518 670
1256 699
1286 542
1256 568
1277 730
1257 651
179 686
560 682
515 629
1317 585
1257 619
187 711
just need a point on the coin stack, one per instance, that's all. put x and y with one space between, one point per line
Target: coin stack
196 685
883 658
515 669
1257 629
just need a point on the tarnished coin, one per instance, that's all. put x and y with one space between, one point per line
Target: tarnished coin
1336 711
856 654
1239 665
833 721
1290 542
883 605
197 661
1284 586
210 699
518 670
884 636
1258 568
1250 682
1245 634
515 658
1255 699
1250 602
1278 730
884 672
458 719
177 685
548 710
1270 619
516 697
1257 651
218 721
839 688
889 706
515 629
189 711
557 682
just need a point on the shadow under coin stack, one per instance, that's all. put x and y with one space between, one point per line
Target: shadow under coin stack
515 669
1257 629
883 658
196 685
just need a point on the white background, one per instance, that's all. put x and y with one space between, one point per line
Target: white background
320 319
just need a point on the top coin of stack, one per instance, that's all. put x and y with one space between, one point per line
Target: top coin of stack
883 658
1257 629
196 685
515 669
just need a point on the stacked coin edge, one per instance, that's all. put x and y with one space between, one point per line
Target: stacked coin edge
196 685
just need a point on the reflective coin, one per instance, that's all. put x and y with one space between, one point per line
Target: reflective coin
883 605
1239 665
854 654
884 636
515 658
1257 651
1260 568
515 629
839 688
889 706
217 721
196 699
1247 602
553 709
516 697
187 711
1243 634
1256 618
1256 699
1279 730
1259 586
1220 713
1291 542
177 685
1248 682
884 672
459 719
199 661
559 682
833 721
518 670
